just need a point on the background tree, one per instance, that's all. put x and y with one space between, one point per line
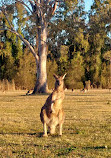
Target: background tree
51 69
68 37
98 39
8 41
107 57
26 72
75 74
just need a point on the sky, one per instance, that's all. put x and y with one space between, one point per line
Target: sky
88 4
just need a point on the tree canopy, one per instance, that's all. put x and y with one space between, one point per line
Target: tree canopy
80 47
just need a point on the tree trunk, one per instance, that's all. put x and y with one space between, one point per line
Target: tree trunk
41 83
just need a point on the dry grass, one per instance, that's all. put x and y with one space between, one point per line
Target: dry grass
86 131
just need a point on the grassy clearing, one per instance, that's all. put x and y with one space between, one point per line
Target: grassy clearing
86 131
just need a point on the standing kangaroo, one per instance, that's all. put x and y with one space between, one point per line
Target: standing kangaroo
52 113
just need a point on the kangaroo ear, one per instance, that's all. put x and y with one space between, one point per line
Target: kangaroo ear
55 76
64 75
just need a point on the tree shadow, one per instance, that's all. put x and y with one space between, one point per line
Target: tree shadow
96 147
79 95
39 134
67 150
37 94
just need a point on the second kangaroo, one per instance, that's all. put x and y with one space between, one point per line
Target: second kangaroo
52 113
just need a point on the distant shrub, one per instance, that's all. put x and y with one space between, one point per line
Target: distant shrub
75 73
26 75
51 69
6 85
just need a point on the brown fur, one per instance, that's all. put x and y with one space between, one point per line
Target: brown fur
52 113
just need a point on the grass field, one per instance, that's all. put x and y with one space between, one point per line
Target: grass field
86 130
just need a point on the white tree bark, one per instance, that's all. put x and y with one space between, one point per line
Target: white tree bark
41 85
44 11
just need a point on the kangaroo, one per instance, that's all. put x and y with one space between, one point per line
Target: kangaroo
52 113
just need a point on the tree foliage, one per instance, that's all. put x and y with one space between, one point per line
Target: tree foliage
80 47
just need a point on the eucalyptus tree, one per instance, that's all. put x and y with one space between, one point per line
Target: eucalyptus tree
68 35
107 57
98 27
42 11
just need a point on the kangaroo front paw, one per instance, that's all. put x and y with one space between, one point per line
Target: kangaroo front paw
45 135
60 134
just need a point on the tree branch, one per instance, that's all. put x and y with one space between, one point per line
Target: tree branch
47 1
5 14
25 42
20 1
52 9
11 29
32 5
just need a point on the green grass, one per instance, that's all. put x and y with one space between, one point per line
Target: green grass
86 130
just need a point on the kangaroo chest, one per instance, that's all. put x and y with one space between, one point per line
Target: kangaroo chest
57 99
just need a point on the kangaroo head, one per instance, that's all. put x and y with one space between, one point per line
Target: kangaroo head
59 81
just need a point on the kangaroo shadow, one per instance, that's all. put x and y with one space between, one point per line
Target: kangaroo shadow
39 134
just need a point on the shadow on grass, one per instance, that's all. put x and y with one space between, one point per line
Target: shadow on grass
66 151
37 94
23 133
38 135
96 147
77 95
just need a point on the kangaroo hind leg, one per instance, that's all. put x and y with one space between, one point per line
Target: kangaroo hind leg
45 130
60 129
